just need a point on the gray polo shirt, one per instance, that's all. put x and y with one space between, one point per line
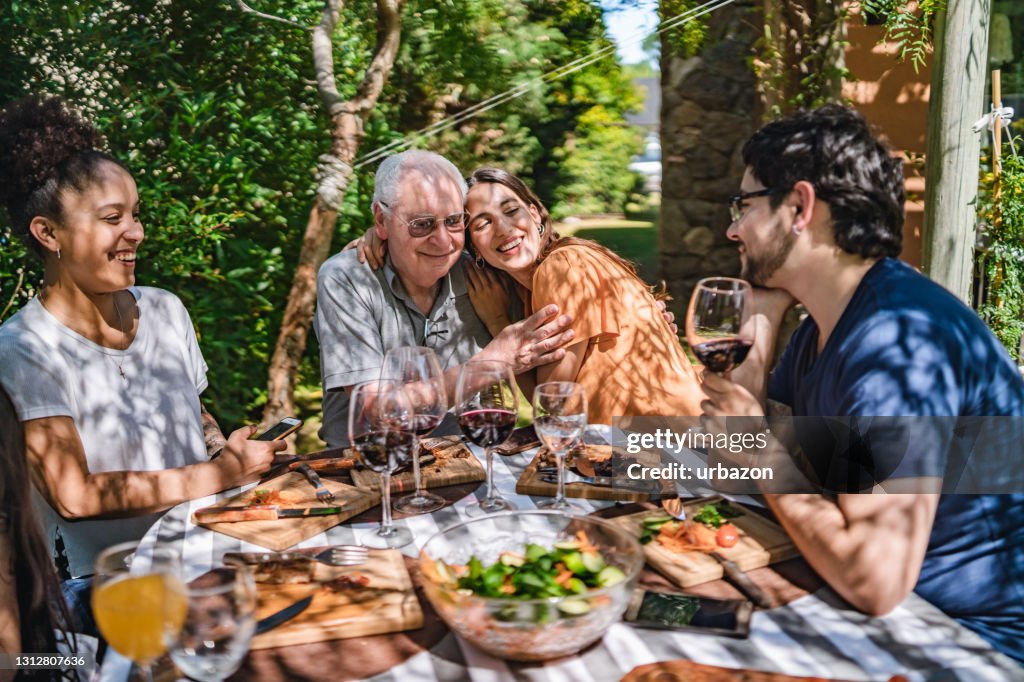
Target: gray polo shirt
361 314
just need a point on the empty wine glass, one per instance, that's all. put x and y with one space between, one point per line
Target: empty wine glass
219 624
718 325
486 402
138 597
418 369
560 416
380 423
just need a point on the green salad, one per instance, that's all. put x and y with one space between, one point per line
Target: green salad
569 568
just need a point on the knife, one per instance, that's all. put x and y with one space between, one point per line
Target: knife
600 481
742 581
265 512
282 616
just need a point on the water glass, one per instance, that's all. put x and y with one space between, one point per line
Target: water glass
219 624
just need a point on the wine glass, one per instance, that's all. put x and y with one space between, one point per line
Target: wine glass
486 403
418 369
718 325
138 597
560 416
380 423
219 624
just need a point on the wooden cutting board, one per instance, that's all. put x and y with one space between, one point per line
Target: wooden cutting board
454 464
530 482
762 542
284 533
387 604
670 671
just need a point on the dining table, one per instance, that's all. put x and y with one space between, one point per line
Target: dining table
811 631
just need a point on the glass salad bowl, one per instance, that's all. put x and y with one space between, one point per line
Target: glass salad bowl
531 585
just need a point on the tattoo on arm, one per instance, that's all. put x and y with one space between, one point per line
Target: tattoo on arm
212 434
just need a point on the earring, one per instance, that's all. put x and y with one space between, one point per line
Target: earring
58 254
479 260
540 228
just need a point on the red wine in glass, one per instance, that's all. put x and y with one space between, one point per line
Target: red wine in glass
722 355
422 424
718 325
418 369
380 416
487 428
384 450
486 402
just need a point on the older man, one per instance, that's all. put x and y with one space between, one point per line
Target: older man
419 297
818 219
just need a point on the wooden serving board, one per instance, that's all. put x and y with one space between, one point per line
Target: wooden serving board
387 604
284 533
454 464
530 482
762 542
664 671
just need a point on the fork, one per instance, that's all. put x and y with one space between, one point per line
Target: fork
336 555
322 493
674 507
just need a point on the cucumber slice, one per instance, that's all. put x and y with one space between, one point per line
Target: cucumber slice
593 561
610 575
576 586
512 559
575 562
534 552
444 572
656 521
568 545
574 607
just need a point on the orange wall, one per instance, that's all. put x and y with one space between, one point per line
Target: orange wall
895 99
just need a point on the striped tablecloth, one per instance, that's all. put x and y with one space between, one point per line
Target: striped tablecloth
815 635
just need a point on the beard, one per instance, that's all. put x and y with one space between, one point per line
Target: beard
759 267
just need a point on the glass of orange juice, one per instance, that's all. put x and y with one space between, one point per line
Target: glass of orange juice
138 597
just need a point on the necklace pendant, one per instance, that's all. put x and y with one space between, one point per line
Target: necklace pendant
123 375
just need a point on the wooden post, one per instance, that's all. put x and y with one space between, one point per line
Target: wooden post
997 171
953 161
997 139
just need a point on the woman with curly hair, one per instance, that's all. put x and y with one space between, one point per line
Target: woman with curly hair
105 376
627 359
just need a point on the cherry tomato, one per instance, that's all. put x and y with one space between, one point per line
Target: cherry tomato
727 535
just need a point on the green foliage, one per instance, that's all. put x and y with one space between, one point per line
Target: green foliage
908 25
686 39
799 60
1003 219
214 114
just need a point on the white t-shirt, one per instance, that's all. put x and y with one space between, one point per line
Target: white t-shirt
148 420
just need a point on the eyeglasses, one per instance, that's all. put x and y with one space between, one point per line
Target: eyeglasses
735 201
421 227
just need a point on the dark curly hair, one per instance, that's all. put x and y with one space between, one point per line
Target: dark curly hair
833 148
46 148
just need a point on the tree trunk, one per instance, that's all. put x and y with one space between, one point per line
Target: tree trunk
952 163
335 170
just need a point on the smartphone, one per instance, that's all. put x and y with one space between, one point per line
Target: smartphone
523 438
676 611
280 430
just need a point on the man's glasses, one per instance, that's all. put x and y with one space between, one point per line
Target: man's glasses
736 201
421 227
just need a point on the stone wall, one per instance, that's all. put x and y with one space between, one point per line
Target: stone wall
710 106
